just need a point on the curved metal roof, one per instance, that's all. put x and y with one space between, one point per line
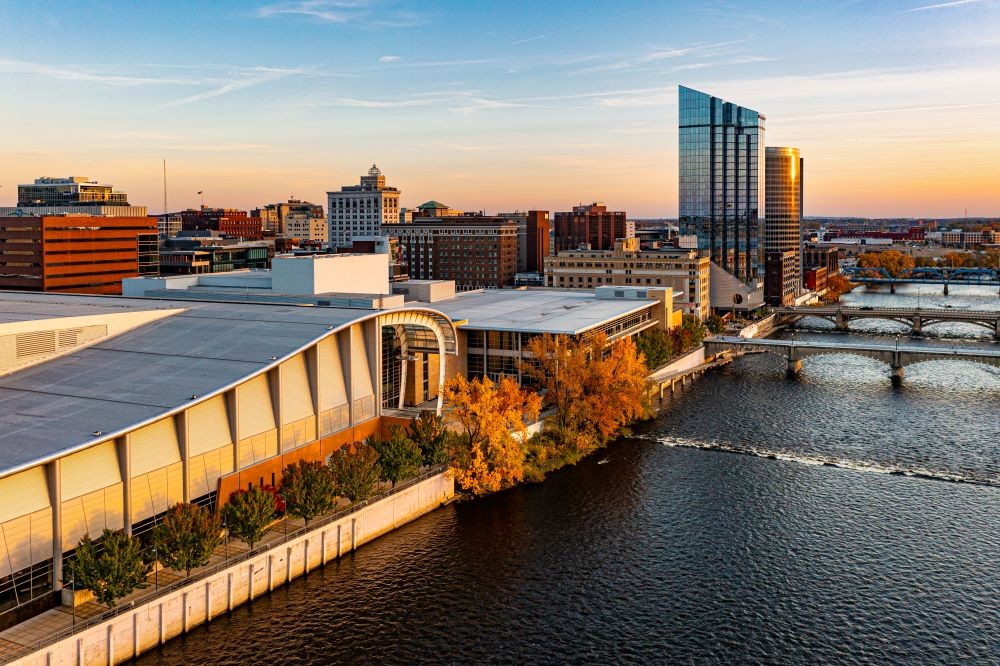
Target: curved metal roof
154 370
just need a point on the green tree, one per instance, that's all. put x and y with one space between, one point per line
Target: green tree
110 569
248 513
308 489
715 324
656 345
689 334
355 471
398 457
186 537
431 435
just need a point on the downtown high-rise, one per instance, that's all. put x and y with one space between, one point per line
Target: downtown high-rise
782 227
722 180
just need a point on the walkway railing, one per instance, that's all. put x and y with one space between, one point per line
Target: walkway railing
148 595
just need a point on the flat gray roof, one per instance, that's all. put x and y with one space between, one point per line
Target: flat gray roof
537 311
57 405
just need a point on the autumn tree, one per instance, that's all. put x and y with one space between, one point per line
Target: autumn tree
355 471
486 453
111 568
594 388
186 537
431 435
893 261
398 457
249 512
689 335
836 286
308 488
953 259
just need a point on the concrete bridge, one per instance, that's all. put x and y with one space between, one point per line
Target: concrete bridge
895 356
916 318
924 275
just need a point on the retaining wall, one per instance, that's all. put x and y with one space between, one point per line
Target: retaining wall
146 626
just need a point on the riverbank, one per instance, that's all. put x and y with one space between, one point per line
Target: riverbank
152 617
541 458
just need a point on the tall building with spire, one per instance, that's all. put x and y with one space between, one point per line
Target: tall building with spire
721 184
361 210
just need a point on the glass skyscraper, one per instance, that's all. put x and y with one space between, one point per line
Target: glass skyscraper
783 204
722 180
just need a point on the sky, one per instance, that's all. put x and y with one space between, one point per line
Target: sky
499 106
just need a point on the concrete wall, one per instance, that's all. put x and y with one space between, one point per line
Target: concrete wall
150 624
343 273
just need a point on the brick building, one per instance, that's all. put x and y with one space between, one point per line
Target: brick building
76 253
591 224
229 221
476 251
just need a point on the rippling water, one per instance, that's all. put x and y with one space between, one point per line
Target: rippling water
658 550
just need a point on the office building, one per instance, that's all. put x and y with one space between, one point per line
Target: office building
533 240
476 251
781 278
722 165
782 225
592 225
276 217
827 257
435 209
361 210
76 195
683 271
76 253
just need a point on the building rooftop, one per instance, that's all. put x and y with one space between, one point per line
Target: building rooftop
537 311
144 373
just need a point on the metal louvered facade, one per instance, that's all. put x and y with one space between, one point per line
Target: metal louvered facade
127 477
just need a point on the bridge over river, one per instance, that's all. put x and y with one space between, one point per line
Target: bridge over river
916 318
895 356
924 275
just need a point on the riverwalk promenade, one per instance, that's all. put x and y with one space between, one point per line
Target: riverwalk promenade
172 604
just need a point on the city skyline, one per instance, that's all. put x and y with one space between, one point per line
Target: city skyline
535 107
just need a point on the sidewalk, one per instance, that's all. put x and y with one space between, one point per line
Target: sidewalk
62 618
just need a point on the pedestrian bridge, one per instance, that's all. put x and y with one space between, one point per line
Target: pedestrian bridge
924 275
895 356
916 318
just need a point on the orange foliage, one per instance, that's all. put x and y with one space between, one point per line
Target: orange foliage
486 456
893 261
595 389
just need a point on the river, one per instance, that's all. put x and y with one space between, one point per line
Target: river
832 518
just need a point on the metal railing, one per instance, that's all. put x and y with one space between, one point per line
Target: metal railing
209 570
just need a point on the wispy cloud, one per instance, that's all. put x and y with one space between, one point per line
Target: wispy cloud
342 11
247 78
389 59
660 55
90 75
941 5
528 39
462 101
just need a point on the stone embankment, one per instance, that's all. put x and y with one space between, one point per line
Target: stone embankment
137 627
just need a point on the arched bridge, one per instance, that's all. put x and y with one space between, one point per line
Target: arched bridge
924 275
916 318
895 356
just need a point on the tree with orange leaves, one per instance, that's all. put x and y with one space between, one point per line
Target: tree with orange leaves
486 454
595 389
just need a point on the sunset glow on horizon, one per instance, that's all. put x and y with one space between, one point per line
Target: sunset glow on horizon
495 106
